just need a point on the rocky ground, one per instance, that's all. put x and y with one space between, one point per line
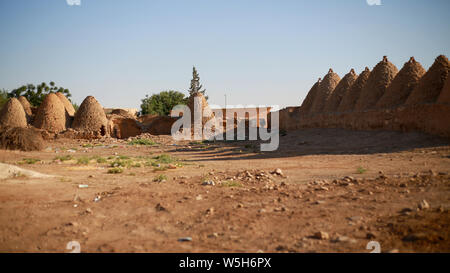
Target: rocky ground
324 190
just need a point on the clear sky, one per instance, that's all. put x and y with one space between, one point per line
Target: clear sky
255 51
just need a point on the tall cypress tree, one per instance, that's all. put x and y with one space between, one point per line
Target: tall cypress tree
196 87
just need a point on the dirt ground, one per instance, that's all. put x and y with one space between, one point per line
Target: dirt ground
337 191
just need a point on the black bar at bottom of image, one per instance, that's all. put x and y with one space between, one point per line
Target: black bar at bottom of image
226 262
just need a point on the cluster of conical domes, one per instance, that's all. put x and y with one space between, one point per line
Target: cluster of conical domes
55 114
383 87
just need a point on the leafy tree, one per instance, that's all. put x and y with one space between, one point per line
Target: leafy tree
75 106
162 103
36 94
3 97
196 87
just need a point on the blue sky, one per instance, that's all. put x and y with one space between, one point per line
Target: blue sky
255 51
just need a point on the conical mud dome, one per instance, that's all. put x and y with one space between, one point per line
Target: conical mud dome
26 105
352 95
51 115
444 97
402 85
326 87
380 78
431 84
67 104
13 114
308 101
341 89
90 117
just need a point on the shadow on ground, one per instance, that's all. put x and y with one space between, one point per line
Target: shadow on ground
316 142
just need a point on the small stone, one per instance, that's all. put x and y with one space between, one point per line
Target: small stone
321 235
208 183
406 211
198 197
240 205
424 205
73 224
160 207
278 171
210 211
88 210
185 239
319 202
370 236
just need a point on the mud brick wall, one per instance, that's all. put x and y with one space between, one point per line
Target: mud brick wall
429 118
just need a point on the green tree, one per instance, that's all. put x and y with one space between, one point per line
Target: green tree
162 103
196 87
75 106
35 94
3 97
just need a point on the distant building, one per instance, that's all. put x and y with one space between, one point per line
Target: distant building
255 116
131 111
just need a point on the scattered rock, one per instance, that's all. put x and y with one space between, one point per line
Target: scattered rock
160 207
210 211
406 211
213 235
208 183
185 239
424 205
321 235
277 171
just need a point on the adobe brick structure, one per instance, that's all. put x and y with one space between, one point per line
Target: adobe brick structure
326 88
444 97
12 114
403 84
376 85
310 97
91 117
431 84
352 95
341 89
51 115
423 116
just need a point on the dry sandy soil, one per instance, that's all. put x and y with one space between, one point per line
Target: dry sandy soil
354 187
